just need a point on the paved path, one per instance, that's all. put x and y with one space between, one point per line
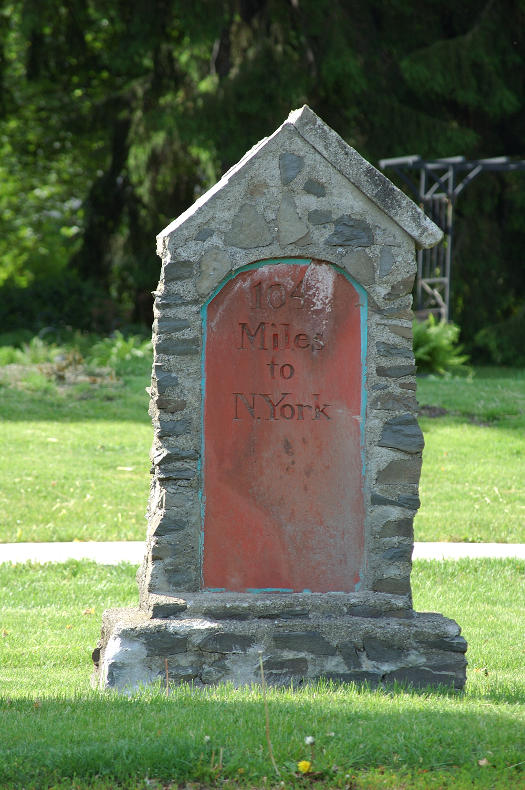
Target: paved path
113 552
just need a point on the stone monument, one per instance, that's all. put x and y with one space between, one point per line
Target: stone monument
287 454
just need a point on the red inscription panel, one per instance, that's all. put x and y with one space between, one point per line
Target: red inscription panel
283 498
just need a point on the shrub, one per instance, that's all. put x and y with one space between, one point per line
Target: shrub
436 347
504 342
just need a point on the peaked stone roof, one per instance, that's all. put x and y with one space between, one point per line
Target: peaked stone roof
370 181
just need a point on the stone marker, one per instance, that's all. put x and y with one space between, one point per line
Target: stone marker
287 453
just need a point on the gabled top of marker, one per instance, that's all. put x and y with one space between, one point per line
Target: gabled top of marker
331 147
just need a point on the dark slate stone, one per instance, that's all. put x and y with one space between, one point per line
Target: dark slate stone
387 402
396 371
403 313
446 662
389 350
172 300
402 433
293 666
204 234
179 455
381 650
401 288
287 614
162 551
404 500
170 404
350 232
319 217
180 580
407 385
178 270
174 427
401 331
314 187
304 642
95 656
402 528
164 610
400 471
164 643
167 325
364 611
172 473
372 679
177 347
228 613
183 674
226 643
290 166
165 379
455 643
386 261
419 677
350 655
398 554
168 525
393 585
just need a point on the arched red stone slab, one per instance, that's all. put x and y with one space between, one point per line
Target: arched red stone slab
282 491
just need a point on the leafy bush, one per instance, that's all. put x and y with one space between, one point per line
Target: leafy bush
117 350
436 347
504 342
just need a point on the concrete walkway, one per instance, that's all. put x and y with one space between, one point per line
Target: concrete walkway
113 552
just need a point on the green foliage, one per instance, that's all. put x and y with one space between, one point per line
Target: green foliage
503 343
114 117
116 351
436 348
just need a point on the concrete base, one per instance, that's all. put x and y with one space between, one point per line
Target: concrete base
210 638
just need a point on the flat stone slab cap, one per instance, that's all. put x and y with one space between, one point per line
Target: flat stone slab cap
370 181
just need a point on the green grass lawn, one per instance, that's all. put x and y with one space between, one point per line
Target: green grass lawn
57 732
74 459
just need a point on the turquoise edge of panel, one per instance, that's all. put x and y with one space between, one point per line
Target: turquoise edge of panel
363 309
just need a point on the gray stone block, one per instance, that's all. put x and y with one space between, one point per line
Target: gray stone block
421 677
402 433
350 655
175 347
360 265
402 527
396 371
226 643
290 226
203 234
249 229
391 350
401 288
168 325
173 427
394 585
290 165
292 666
304 642
170 404
177 270
164 379
350 232
380 650
314 187
409 501
386 261
398 554
164 643
319 217
400 471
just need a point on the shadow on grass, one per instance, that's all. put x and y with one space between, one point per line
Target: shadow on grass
180 738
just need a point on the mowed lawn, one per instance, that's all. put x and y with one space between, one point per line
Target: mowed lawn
74 460
57 732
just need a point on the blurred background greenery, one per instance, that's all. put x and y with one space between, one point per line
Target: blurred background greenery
116 114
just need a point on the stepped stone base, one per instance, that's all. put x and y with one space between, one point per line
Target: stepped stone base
210 638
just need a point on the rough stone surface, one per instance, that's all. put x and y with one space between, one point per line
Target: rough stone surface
360 264
290 166
249 229
350 232
290 225
402 433
314 187
302 195
213 266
